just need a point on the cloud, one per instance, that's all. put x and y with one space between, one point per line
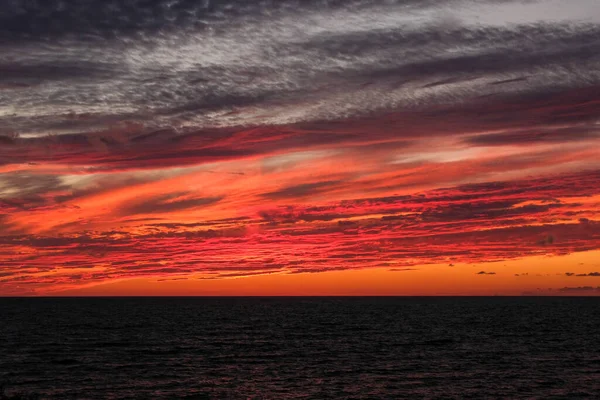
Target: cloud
579 289
594 274
305 189
485 273
301 63
304 239
538 135
553 118
171 279
166 203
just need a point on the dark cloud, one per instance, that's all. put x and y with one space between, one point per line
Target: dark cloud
482 203
91 20
485 273
539 135
305 189
171 279
144 62
136 147
28 192
506 81
25 75
31 184
579 289
238 275
8 140
168 203
568 47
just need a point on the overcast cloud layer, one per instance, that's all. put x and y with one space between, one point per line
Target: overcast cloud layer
86 65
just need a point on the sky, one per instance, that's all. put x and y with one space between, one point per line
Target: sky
299 147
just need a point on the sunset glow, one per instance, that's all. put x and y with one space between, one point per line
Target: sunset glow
399 150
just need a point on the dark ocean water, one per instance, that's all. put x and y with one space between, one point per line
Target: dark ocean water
301 348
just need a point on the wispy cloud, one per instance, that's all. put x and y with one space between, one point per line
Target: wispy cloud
465 224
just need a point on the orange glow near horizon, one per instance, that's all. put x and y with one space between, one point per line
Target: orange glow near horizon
539 276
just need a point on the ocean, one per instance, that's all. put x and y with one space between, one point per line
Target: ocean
300 348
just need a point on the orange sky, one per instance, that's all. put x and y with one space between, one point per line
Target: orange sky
540 276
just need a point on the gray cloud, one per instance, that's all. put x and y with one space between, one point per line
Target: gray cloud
305 189
189 65
168 203
538 135
93 20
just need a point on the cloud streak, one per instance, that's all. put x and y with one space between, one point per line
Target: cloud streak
465 224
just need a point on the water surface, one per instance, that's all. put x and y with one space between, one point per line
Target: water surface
300 348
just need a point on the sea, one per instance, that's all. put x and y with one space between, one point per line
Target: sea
300 348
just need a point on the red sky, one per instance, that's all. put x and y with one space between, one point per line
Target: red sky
422 217
329 169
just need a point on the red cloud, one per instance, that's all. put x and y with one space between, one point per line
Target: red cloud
471 223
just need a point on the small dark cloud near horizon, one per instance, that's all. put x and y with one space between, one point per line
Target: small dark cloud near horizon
172 279
579 289
402 269
485 273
